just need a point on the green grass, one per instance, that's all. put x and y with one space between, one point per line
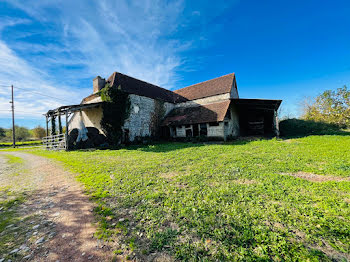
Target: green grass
234 201
20 144
13 159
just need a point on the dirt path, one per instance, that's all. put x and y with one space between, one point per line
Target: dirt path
57 216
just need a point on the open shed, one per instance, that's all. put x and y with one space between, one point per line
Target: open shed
257 116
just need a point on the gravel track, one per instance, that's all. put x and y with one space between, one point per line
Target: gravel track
61 225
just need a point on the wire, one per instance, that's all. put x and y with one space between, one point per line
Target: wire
35 92
19 111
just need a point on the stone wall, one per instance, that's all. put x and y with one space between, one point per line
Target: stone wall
143 121
90 117
180 131
145 116
216 131
232 126
204 101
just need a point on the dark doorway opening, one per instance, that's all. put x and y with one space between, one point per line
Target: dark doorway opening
195 130
256 122
256 116
165 132
203 130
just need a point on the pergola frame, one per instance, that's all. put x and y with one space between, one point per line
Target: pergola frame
66 111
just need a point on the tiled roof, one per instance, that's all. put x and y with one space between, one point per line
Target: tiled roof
216 86
138 87
89 98
214 112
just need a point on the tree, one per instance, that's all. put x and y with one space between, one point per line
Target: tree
22 133
2 133
39 132
331 107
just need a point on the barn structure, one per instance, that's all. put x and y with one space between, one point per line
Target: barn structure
211 110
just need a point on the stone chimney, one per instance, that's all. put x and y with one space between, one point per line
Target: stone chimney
98 83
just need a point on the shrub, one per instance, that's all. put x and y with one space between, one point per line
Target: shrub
39 132
298 127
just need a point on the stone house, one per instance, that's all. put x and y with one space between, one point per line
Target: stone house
211 109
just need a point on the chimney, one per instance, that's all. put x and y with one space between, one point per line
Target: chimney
98 83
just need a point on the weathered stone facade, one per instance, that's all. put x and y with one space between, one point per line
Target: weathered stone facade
145 116
204 110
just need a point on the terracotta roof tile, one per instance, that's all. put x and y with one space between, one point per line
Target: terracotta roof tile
216 86
214 112
138 87
89 98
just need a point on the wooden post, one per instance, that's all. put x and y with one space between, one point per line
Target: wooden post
67 130
13 119
59 123
47 125
53 125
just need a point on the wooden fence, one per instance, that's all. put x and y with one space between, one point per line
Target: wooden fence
55 142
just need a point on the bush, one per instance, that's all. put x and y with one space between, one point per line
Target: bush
39 132
2 133
298 127
22 133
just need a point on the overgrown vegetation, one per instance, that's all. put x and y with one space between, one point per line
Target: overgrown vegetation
115 111
331 107
299 128
230 202
53 126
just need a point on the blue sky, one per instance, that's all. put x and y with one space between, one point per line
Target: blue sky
278 49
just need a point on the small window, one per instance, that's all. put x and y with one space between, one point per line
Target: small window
226 123
214 124
188 132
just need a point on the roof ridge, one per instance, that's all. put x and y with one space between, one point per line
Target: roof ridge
142 81
205 81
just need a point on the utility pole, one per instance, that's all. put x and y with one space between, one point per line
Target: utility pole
13 119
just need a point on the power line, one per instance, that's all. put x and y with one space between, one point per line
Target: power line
38 93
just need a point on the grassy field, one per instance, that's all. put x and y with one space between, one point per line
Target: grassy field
20 144
246 200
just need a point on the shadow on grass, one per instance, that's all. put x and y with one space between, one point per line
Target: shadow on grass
163 147
294 128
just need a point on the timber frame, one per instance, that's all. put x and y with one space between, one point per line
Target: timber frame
58 113
262 106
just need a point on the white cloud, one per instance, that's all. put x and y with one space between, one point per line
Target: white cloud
28 81
144 39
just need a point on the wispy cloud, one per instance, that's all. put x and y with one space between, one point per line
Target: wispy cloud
29 84
77 40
